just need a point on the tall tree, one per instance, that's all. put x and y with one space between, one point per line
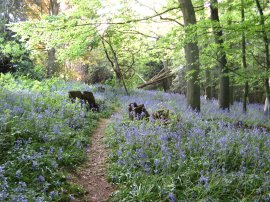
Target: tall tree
224 91
244 59
53 10
191 55
114 62
267 56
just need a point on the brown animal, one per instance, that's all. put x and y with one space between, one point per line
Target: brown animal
137 111
86 97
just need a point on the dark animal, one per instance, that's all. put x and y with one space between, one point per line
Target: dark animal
137 111
85 96
75 94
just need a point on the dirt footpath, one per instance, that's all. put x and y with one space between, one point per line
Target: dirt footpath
92 176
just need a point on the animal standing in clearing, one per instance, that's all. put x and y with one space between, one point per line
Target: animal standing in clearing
85 96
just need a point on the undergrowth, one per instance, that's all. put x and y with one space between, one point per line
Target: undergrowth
42 136
205 156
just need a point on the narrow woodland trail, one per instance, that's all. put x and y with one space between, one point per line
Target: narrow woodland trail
92 176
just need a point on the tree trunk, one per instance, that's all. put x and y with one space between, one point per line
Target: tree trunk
54 7
192 57
231 47
208 92
213 91
231 95
267 58
118 72
52 65
244 60
115 64
224 91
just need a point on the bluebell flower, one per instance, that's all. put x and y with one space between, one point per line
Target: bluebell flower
53 194
34 164
2 168
56 130
39 199
18 174
41 178
52 149
19 198
156 162
172 197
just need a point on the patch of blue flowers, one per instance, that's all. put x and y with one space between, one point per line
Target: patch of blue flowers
42 134
203 156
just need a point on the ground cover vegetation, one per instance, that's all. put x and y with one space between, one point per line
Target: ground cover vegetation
42 136
207 156
213 149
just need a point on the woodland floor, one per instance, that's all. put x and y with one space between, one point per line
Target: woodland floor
92 176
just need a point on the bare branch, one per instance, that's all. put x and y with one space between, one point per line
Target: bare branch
117 23
171 19
140 33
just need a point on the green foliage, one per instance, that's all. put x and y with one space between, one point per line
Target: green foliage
19 57
77 33
42 135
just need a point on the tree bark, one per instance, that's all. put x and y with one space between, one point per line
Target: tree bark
54 7
244 60
224 91
52 65
119 74
231 95
51 62
267 57
208 92
192 57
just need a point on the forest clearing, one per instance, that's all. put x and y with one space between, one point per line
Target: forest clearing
209 155
111 100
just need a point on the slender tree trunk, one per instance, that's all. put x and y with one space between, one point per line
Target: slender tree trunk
192 57
115 64
232 64
244 60
224 91
51 62
119 74
213 91
208 92
267 57
52 65
231 95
